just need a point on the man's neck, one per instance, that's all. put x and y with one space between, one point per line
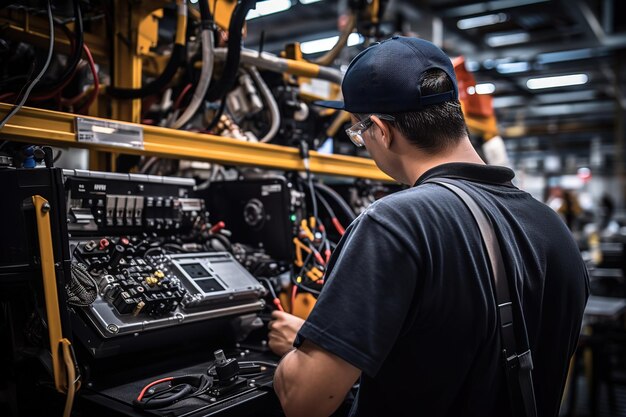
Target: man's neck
417 164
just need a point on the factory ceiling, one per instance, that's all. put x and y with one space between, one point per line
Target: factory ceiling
554 67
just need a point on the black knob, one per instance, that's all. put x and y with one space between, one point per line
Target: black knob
254 213
116 256
227 369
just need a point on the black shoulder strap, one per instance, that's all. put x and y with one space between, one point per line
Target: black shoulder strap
518 367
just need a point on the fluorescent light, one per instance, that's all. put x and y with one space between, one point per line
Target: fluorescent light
309 1
558 81
355 39
485 88
102 129
507 38
478 21
563 56
193 1
512 67
263 8
486 7
471 90
326 44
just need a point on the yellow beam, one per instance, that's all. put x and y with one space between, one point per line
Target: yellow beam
55 331
127 71
57 128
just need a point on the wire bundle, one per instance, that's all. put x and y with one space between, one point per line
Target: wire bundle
43 70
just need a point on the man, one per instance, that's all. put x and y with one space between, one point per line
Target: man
408 308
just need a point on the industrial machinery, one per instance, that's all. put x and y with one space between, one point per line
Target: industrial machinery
141 286
123 267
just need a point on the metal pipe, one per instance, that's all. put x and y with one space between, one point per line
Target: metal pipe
271 62
271 103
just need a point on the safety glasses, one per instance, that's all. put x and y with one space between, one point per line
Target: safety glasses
355 132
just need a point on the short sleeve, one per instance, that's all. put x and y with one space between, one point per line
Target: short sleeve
369 287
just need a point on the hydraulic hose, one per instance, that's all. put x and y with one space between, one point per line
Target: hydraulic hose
271 62
331 55
271 103
222 86
177 57
207 68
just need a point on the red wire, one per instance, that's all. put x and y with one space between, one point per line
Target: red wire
56 91
96 81
319 258
294 290
181 96
73 100
6 96
153 383
317 255
338 226
278 304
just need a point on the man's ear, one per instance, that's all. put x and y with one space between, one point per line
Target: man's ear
386 132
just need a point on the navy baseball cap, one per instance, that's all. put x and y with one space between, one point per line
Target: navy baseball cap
385 78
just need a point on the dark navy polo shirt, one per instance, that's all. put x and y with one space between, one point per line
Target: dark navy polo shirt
408 298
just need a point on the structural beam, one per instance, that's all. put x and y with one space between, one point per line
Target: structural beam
58 129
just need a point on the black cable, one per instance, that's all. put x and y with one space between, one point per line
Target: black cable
178 56
205 13
173 246
295 282
312 194
218 114
176 59
324 202
18 106
335 196
73 60
145 255
221 87
269 286
79 37
182 388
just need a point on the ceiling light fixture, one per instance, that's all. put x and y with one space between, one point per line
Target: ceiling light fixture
264 8
502 39
485 88
512 67
309 1
557 81
571 55
479 21
326 44
487 7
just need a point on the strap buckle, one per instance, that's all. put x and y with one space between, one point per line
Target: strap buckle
522 362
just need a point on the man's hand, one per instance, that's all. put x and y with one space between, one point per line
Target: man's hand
282 331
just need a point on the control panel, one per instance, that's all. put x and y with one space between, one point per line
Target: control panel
101 203
129 285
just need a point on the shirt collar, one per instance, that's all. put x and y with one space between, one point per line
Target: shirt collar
490 174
